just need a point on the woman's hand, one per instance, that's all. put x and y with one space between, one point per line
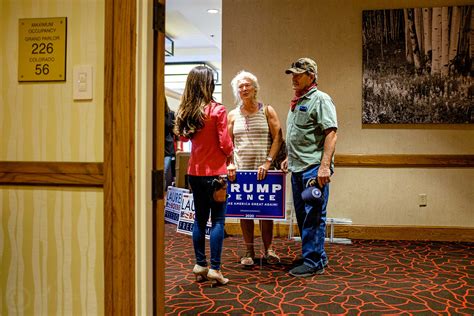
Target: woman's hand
231 172
284 165
263 170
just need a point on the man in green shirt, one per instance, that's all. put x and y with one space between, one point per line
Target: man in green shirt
311 140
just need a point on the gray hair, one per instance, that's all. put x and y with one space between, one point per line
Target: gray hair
235 85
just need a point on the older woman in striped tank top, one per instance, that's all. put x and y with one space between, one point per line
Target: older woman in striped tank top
252 132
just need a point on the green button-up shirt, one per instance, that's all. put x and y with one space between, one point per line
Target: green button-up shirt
314 113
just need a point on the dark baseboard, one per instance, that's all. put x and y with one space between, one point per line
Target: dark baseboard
429 233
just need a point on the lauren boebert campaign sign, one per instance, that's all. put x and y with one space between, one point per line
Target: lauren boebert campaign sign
174 199
186 217
257 199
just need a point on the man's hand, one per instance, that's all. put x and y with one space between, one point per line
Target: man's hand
324 176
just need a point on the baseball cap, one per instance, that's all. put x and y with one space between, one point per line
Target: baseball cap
303 65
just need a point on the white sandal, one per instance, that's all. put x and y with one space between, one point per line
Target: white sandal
272 257
247 260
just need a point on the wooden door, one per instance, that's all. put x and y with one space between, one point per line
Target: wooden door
158 156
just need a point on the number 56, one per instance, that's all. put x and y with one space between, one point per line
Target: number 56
42 69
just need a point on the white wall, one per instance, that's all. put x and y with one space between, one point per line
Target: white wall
265 36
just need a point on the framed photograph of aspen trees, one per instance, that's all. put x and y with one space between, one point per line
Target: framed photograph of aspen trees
418 66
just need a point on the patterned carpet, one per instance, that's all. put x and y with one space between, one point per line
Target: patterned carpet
365 278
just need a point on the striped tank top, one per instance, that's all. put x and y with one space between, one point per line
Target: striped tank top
252 139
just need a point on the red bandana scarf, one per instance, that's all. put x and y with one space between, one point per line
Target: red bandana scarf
299 94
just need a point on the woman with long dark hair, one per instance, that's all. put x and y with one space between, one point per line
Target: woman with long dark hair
204 122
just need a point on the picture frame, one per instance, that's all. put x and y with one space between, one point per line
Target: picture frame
418 66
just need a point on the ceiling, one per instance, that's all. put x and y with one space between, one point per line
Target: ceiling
197 34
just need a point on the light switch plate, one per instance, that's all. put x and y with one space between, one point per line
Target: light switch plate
82 85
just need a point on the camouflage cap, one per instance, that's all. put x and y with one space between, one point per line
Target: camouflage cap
303 65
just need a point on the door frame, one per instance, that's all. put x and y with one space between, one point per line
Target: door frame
119 156
120 178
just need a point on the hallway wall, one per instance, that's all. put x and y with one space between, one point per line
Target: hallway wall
51 239
266 36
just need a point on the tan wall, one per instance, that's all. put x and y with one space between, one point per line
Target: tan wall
51 239
265 36
51 251
40 121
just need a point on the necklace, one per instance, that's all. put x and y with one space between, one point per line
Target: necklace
247 114
254 109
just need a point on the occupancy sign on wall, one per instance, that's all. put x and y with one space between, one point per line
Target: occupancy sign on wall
42 49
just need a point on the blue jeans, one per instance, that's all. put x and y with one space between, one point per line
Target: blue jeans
311 219
168 171
203 205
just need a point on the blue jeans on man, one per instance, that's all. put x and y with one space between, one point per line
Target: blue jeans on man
203 205
311 220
